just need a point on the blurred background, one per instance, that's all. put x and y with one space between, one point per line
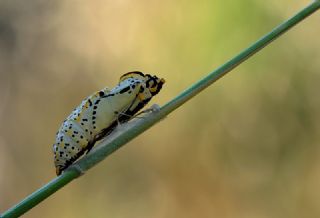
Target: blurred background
248 146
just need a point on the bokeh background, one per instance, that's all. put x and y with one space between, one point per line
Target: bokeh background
248 146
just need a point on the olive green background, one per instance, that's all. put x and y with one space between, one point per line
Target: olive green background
246 147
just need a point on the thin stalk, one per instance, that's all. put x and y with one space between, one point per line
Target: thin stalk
131 130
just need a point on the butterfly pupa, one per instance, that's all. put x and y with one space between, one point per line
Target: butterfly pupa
100 113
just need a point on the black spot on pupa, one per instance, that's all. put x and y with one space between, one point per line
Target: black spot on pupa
90 102
94 112
109 95
81 137
95 107
93 117
124 90
72 136
101 93
75 132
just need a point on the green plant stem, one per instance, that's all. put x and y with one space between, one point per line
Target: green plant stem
133 129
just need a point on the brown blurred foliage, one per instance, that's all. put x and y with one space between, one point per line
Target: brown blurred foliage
246 147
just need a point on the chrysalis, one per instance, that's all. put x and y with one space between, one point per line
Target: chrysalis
99 114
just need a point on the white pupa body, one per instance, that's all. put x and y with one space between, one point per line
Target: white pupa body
100 113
